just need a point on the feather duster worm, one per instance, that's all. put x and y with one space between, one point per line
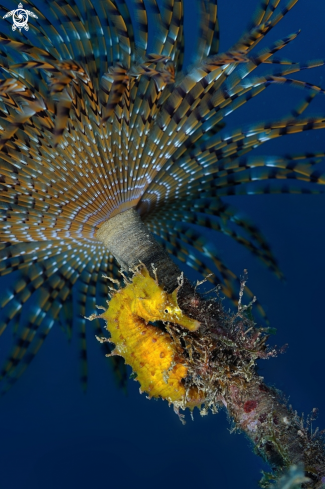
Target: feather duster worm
93 124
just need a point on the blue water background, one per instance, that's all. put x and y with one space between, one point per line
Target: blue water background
53 436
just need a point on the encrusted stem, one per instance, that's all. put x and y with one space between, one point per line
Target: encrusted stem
130 242
223 356
279 435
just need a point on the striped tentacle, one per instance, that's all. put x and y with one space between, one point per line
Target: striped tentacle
48 297
11 87
41 193
303 105
303 171
99 42
24 48
264 187
214 100
107 171
259 16
117 27
37 81
198 212
245 91
179 50
100 292
227 168
114 83
85 285
37 275
251 38
169 125
252 182
49 283
161 27
237 181
240 92
41 321
65 317
16 122
137 118
207 201
165 177
121 106
297 67
270 9
118 150
22 255
174 122
62 74
27 284
125 138
220 166
208 126
140 27
24 225
247 173
204 32
242 139
125 13
267 79
83 130
215 108
263 56
49 55
143 116
169 29
64 29
107 36
112 129
172 16
228 183
120 134
193 259
31 337
264 13
73 22
95 146
213 35
92 288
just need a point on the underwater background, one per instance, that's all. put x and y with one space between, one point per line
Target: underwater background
52 435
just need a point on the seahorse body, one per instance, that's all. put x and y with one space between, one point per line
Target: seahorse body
151 352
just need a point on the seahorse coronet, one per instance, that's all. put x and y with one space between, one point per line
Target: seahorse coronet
156 359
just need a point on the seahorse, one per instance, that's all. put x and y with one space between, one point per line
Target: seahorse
97 131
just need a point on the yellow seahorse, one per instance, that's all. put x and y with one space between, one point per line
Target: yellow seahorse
153 355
